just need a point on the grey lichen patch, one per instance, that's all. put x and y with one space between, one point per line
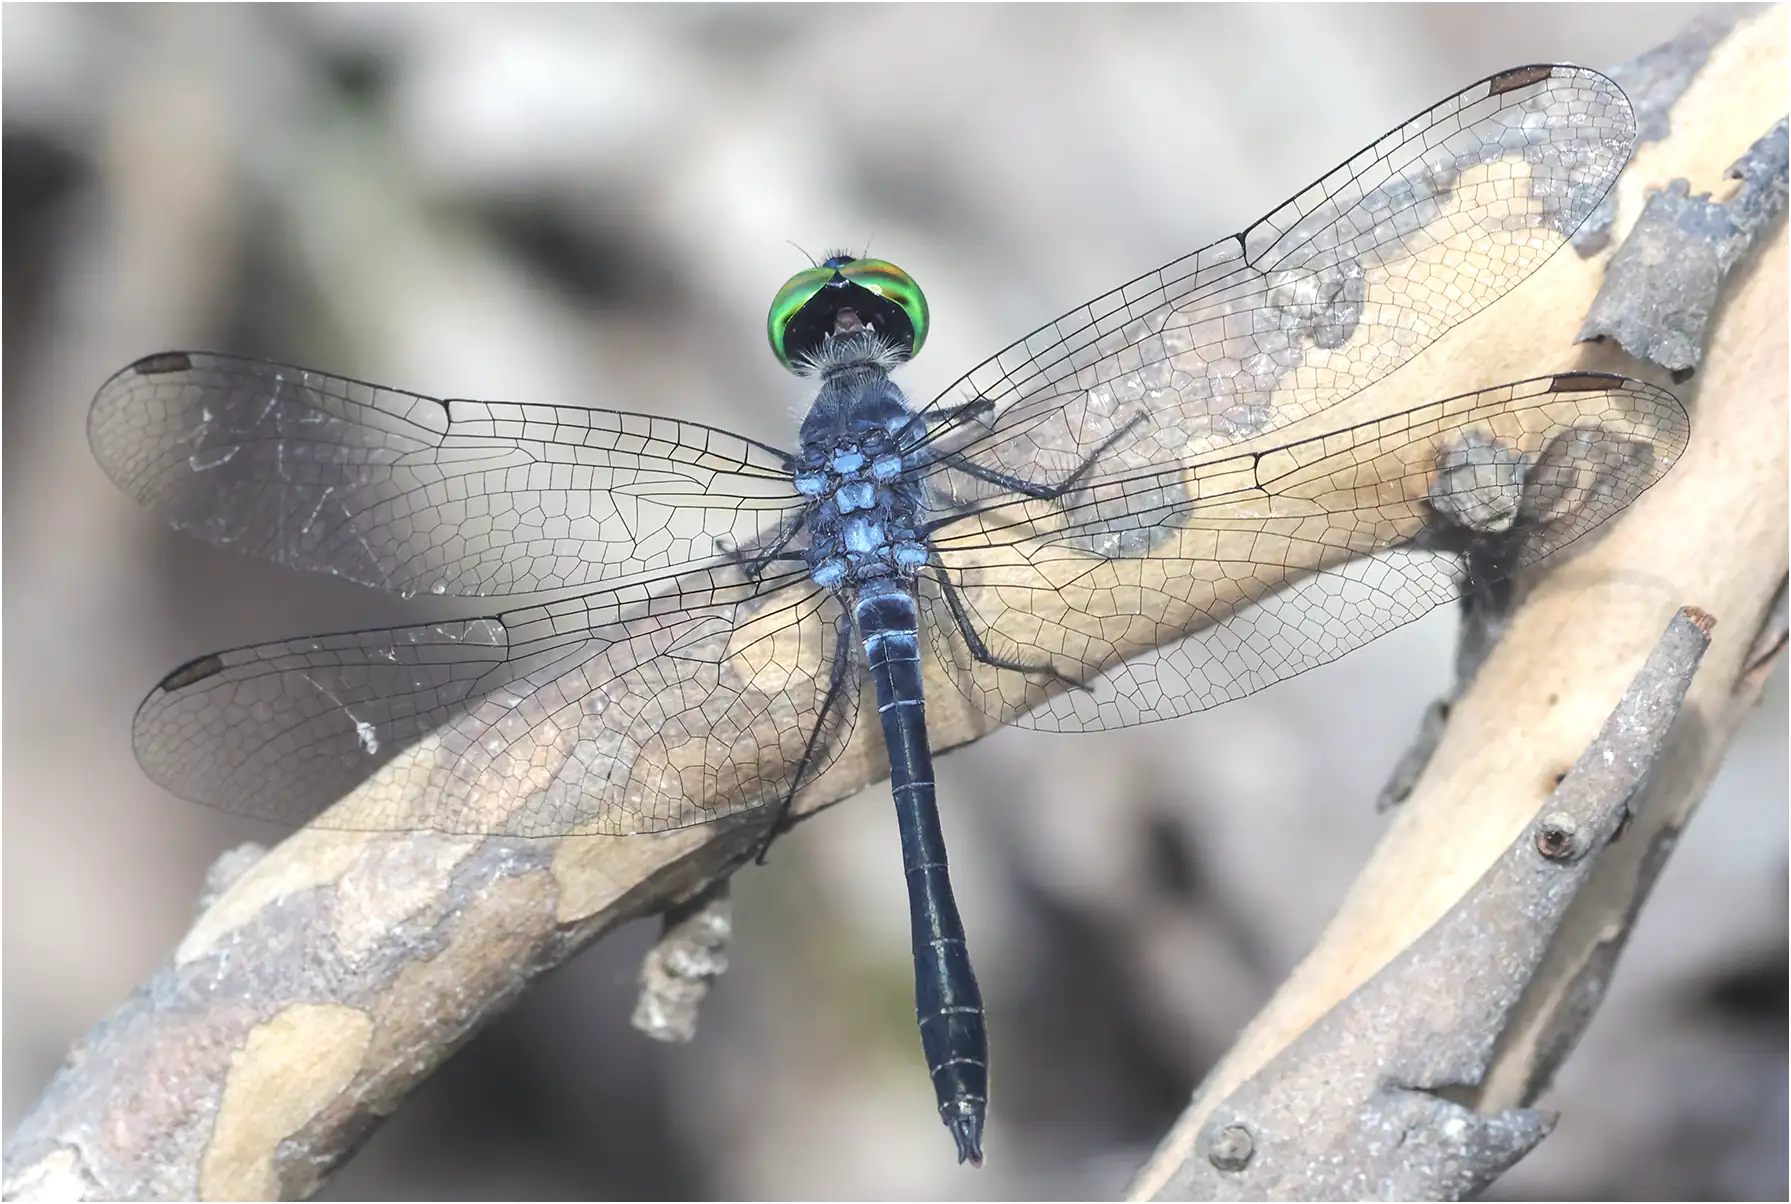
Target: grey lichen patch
138 1099
491 950
1666 280
265 1071
1653 81
435 977
399 881
315 858
287 1070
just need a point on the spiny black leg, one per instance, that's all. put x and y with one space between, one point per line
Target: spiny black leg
754 565
1044 493
975 405
961 618
842 669
971 468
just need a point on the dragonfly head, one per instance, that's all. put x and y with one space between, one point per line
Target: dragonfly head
866 299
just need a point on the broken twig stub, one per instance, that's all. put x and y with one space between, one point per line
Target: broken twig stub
1667 278
690 954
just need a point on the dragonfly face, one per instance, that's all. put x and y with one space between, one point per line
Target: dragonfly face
877 295
1090 528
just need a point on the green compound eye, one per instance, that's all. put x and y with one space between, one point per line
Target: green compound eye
897 287
883 295
797 292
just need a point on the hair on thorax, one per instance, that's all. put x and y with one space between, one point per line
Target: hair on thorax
859 349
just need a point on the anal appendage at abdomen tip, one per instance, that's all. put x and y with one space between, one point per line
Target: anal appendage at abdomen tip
965 1121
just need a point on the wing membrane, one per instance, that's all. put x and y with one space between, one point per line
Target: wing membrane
1318 300
417 495
617 712
1201 583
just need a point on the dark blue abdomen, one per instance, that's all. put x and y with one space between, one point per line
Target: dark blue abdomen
946 1000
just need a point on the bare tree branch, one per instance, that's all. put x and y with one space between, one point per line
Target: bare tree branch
1369 1101
1713 534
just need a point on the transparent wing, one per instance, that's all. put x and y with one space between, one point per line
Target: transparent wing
617 712
417 495
1198 584
1324 296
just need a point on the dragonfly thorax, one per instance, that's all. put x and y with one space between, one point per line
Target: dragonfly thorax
863 520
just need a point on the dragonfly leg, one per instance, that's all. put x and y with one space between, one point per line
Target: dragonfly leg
1046 493
755 563
841 674
975 406
978 649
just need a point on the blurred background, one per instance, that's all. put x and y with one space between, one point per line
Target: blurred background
595 206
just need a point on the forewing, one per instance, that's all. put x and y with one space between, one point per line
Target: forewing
1195 585
418 495
1326 295
639 709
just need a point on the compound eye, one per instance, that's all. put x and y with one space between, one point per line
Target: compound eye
881 295
798 291
897 287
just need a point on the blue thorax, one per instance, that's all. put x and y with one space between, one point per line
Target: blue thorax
859 441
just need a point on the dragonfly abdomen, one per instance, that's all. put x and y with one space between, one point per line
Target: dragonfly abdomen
947 1003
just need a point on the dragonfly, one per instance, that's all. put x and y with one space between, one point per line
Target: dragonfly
1086 531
